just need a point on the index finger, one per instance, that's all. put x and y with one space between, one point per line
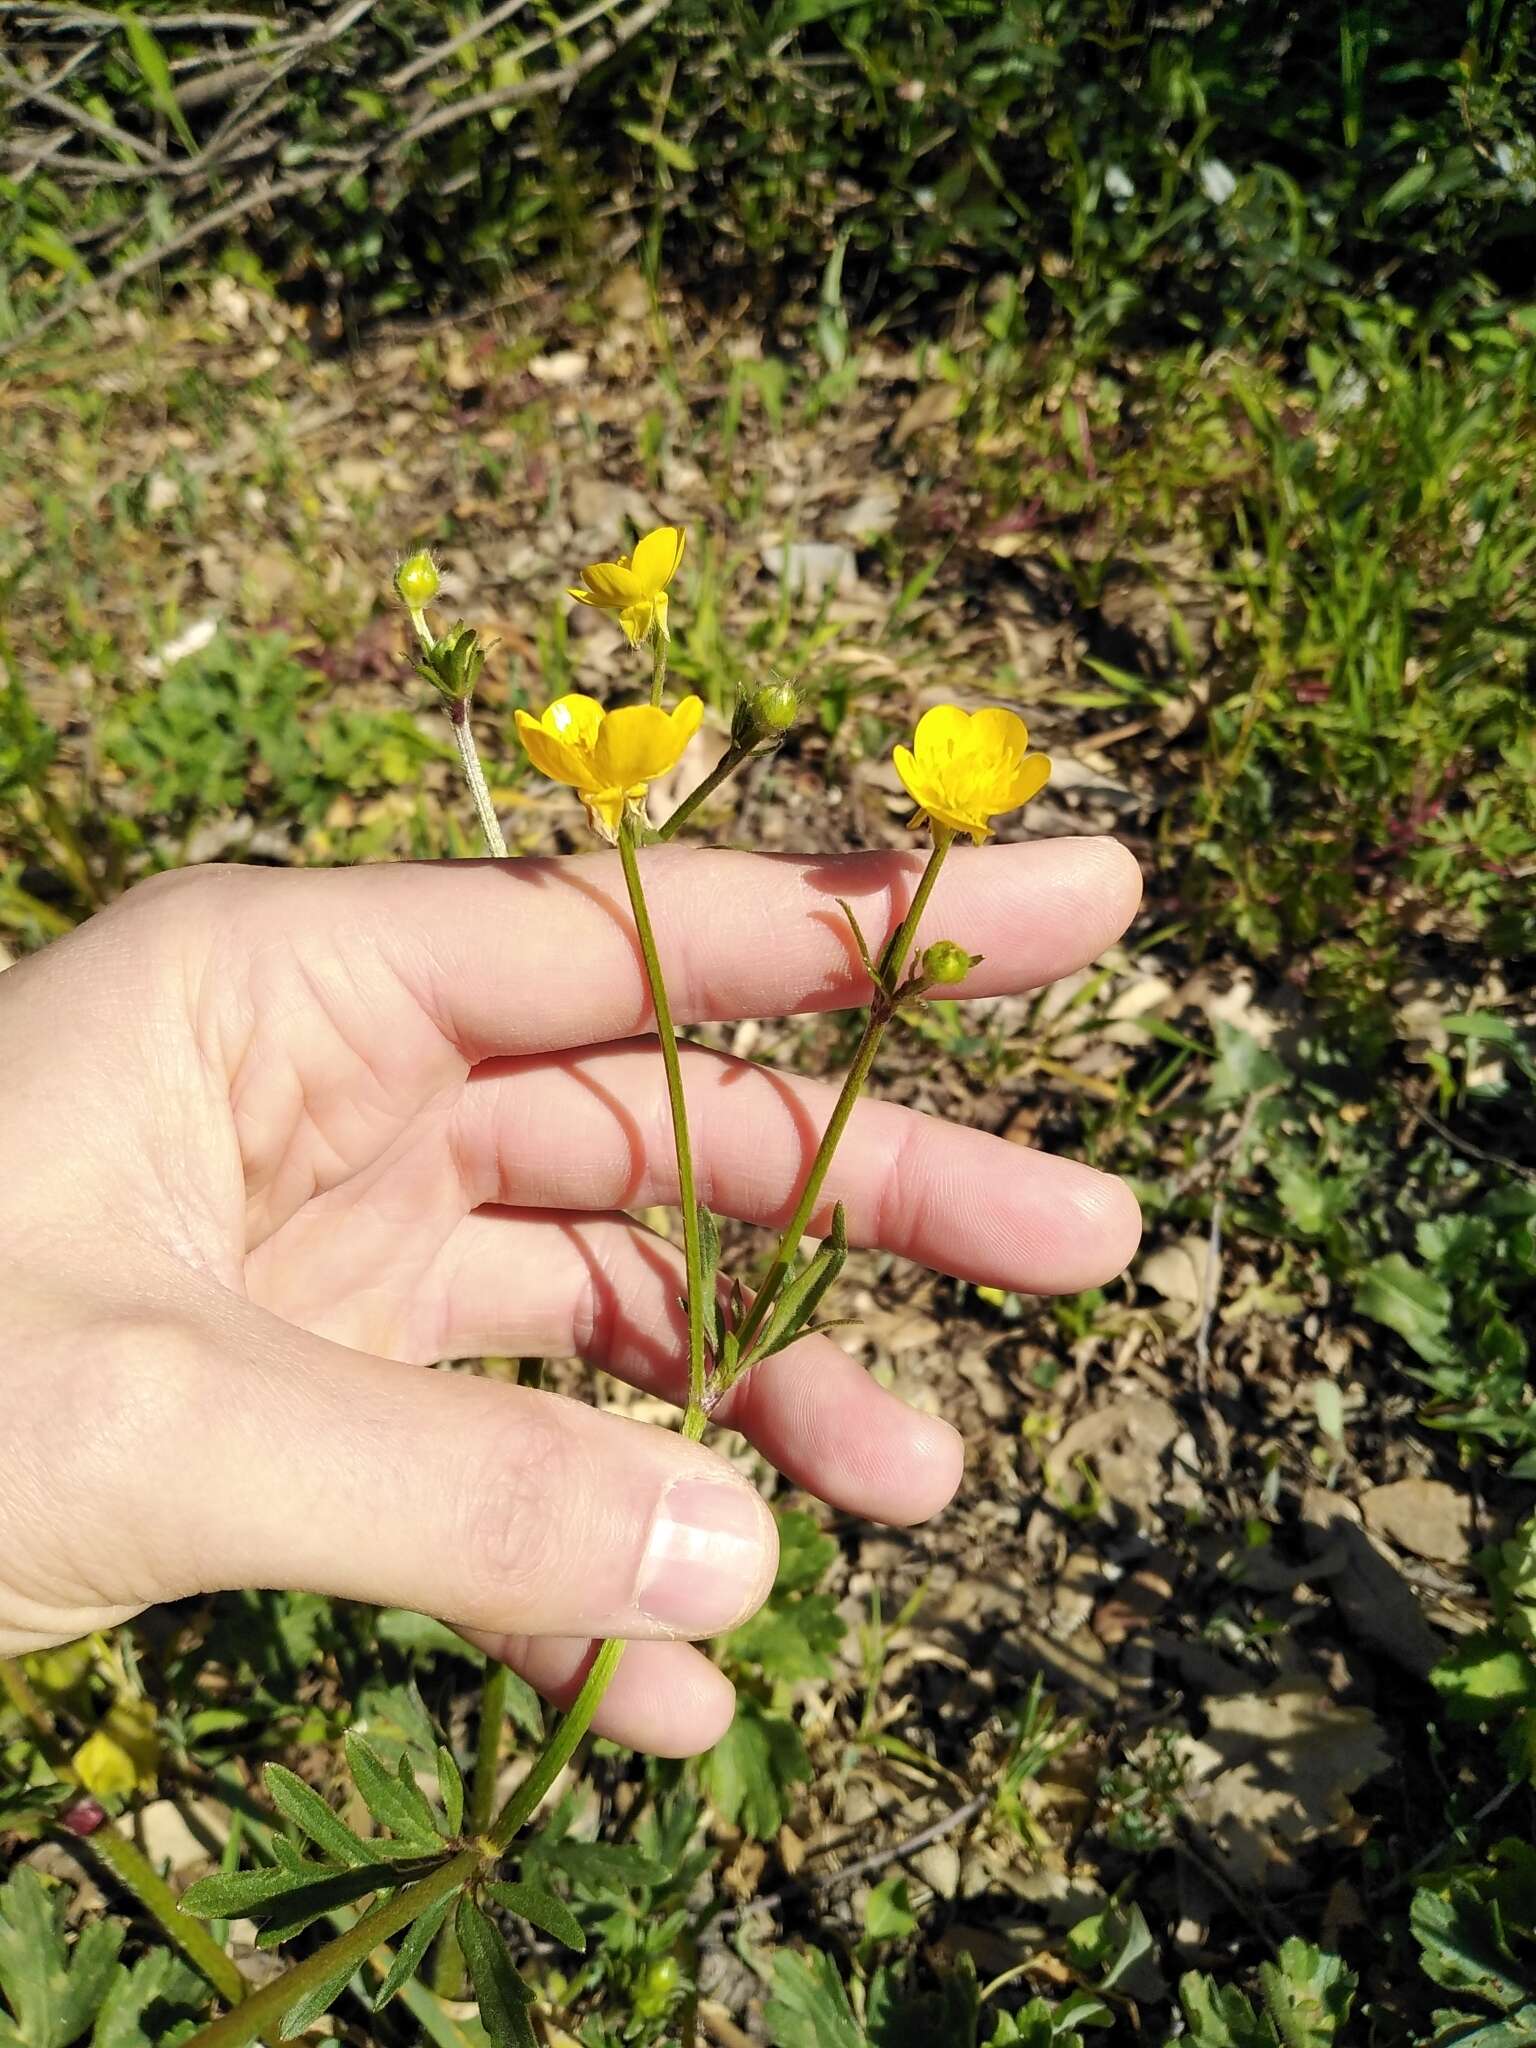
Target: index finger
534 954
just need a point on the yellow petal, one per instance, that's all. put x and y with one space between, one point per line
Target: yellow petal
655 560
638 618
552 757
913 779
1032 776
639 742
940 731
686 714
585 597
574 718
612 585
997 730
122 1755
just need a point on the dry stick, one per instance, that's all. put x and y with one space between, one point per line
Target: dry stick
441 51
1441 1130
222 217
533 88
349 162
865 1866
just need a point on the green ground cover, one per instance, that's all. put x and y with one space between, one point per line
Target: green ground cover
1209 1709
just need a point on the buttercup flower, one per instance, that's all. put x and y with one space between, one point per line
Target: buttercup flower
964 767
635 586
608 757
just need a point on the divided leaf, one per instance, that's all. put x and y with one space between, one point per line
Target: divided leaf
531 1902
414 1944
809 2007
394 1800
451 1785
504 1997
301 1804
305 2010
802 1296
54 1992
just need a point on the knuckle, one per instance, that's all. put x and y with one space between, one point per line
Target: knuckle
512 1494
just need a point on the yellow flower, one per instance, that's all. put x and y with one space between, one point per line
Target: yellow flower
608 757
964 767
635 586
122 1755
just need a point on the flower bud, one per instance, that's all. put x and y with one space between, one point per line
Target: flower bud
84 1816
416 580
946 963
764 712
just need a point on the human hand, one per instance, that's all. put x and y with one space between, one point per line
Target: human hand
275 1140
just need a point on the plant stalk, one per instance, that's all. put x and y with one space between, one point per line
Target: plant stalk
658 665
474 775
891 962
686 1193
728 763
260 2012
559 1749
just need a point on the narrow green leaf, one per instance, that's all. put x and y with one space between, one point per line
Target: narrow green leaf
804 1294
859 940
231 1895
394 1803
156 74
531 1902
451 1785
504 1997
303 1805
303 2012
418 1938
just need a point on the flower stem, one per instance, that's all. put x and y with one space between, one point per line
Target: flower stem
474 775
891 962
658 665
136 1874
727 764
493 1711
560 1748
693 1262
258 2015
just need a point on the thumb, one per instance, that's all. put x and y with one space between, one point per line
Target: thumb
303 1464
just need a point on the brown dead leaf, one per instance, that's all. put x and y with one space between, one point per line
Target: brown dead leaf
1124 1444
1274 1775
1424 1516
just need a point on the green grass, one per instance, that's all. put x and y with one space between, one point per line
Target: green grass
1293 617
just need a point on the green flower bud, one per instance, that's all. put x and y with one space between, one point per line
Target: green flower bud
416 581
946 963
454 664
764 712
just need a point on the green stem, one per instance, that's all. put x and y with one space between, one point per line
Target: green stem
493 1714
892 960
133 1870
260 2012
728 763
560 1747
659 644
474 775
687 1197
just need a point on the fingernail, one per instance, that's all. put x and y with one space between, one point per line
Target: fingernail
708 1560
